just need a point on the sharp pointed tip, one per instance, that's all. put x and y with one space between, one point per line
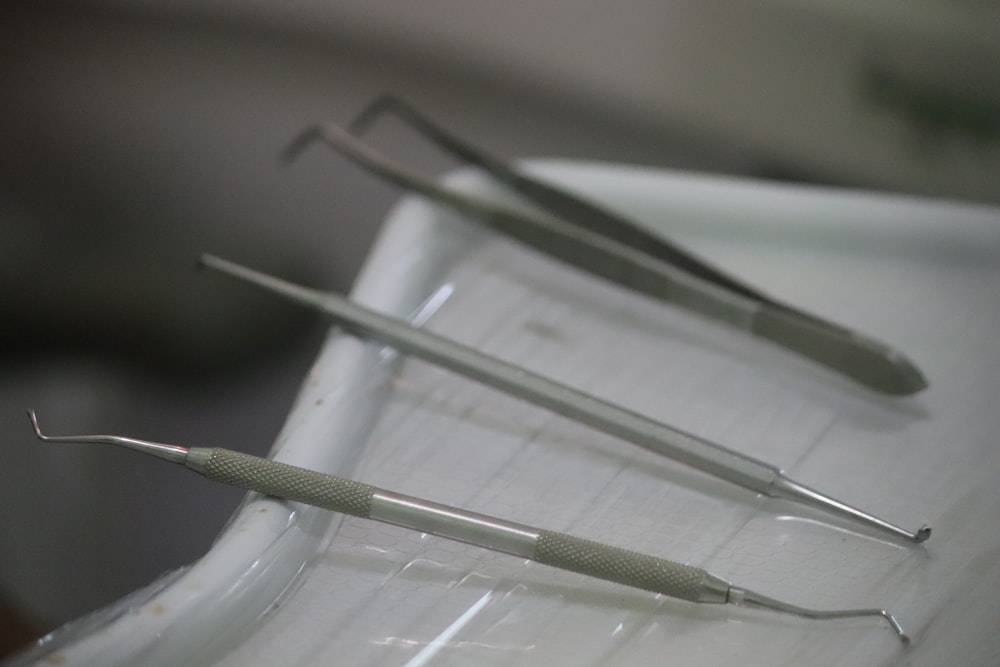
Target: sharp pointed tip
208 261
299 143
215 263
378 105
33 418
903 637
310 297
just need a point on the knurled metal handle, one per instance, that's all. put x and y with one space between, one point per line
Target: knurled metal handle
622 566
286 481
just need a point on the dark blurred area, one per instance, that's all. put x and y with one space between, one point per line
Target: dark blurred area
135 136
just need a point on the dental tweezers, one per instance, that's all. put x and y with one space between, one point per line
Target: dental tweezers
596 240
633 427
547 547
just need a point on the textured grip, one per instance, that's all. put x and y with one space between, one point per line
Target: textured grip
620 565
290 482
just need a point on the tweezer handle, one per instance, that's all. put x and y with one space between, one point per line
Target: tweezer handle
606 257
594 559
583 213
612 248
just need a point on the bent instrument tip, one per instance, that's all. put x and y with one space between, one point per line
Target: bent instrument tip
789 489
33 418
172 453
746 598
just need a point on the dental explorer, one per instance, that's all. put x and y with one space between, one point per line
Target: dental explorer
633 427
555 549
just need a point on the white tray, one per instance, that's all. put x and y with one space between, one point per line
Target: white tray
292 585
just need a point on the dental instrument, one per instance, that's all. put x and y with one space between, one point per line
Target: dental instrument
633 427
555 549
593 239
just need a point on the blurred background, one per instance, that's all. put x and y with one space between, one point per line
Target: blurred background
134 136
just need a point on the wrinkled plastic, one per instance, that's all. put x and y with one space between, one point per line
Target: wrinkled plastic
260 556
289 587
383 596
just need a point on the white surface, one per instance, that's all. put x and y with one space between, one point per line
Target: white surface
922 275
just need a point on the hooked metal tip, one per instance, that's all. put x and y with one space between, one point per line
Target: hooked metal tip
903 637
783 487
173 453
34 424
299 143
376 107
747 598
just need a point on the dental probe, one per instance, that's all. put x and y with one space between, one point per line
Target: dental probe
560 550
696 452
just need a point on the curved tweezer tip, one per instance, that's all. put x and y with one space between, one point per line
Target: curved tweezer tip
904 377
912 374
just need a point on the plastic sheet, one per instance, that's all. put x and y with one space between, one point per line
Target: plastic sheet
921 275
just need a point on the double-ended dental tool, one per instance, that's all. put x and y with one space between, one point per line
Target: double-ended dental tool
551 548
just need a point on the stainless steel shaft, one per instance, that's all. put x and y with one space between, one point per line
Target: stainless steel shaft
633 427
556 549
560 550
